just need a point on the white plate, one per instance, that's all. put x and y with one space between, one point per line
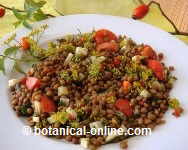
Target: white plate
171 136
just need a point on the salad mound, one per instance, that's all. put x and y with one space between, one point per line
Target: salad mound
94 79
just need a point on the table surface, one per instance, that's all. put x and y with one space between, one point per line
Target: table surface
154 17
177 11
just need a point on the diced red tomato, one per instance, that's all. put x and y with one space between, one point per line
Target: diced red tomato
25 43
70 117
47 105
32 82
148 51
23 80
108 46
124 106
126 86
104 35
157 68
177 111
117 61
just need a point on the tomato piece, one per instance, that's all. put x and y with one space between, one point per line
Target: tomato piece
140 11
108 46
126 86
124 106
148 51
177 111
47 105
23 80
2 12
117 61
157 68
71 117
32 82
25 43
104 35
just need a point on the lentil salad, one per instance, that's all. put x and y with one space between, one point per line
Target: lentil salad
95 77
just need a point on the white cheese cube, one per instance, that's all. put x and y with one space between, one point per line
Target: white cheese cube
93 59
62 90
84 142
137 58
36 119
100 59
97 125
81 51
145 94
65 100
12 82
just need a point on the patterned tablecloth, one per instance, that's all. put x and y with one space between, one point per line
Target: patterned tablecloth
120 8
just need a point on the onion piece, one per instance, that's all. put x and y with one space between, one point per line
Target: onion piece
95 59
68 59
145 94
37 107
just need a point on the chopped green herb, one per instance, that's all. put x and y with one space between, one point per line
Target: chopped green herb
80 114
123 43
116 72
61 117
137 86
146 74
174 103
76 59
111 99
23 110
67 47
74 124
88 45
75 72
94 70
35 49
65 75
